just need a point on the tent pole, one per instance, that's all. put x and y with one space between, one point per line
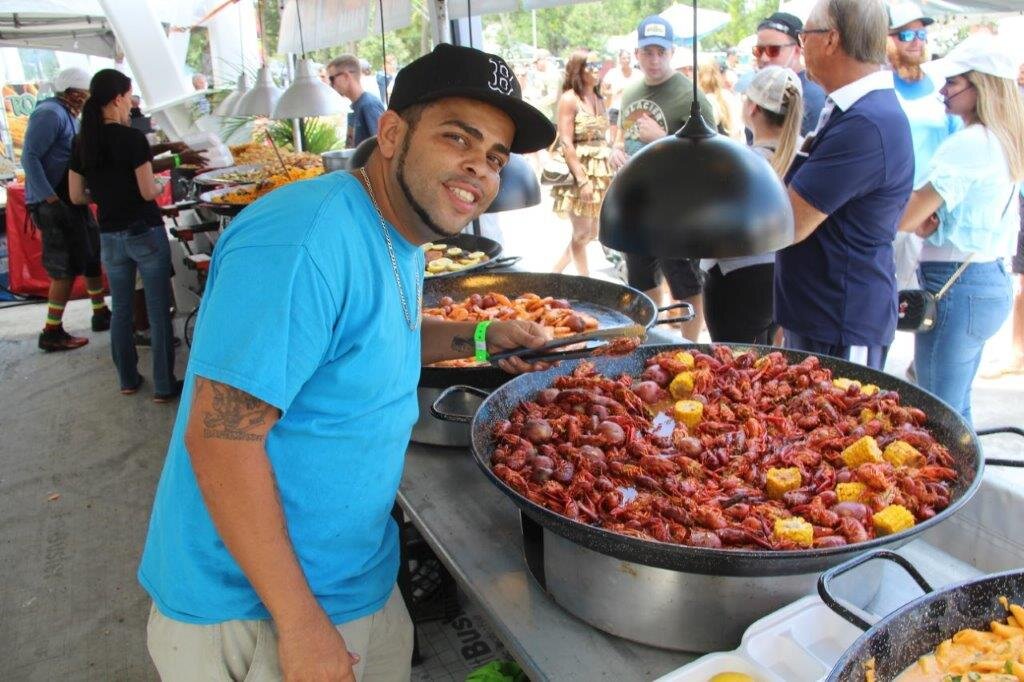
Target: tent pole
440 26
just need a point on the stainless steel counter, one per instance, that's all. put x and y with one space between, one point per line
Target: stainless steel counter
474 530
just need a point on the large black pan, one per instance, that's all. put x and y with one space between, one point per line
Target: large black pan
945 424
611 304
899 639
470 243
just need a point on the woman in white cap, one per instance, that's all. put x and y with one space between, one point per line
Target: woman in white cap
967 210
738 291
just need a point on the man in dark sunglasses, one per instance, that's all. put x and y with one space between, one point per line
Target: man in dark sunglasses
930 125
344 74
778 44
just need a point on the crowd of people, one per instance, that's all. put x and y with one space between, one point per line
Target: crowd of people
271 549
903 172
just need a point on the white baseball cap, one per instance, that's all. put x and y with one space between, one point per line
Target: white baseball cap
72 77
981 53
901 14
767 89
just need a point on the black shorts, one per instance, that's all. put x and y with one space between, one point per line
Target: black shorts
738 307
684 276
613 116
71 240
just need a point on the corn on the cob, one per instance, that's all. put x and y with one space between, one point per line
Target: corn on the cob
893 519
900 453
795 529
682 385
688 412
851 492
862 451
781 481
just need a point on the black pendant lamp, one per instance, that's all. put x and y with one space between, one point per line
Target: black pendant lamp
696 194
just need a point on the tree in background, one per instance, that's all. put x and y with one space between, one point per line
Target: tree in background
560 29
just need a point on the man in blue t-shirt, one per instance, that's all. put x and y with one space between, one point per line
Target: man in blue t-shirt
271 550
345 76
835 287
930 125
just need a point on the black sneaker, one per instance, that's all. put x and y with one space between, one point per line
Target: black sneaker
101 320
57 339
168 397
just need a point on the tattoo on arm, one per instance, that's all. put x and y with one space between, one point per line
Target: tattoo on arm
233 414
463 344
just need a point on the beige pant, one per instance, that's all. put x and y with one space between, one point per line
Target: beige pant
238 650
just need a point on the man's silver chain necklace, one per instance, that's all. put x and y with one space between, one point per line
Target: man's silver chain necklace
409 319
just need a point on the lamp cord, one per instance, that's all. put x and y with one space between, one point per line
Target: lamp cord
695 105
298 15
383 52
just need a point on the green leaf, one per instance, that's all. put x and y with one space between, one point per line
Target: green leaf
1008 668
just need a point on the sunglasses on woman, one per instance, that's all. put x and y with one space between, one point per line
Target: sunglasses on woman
772 51
593 66
910 34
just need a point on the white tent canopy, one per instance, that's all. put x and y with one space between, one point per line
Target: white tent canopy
802 8
64 25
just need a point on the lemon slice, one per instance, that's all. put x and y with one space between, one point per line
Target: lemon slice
732 677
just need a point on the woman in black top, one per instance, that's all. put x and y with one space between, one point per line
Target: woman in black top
112 165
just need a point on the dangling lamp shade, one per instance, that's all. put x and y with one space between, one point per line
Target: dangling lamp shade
308 96
519 187
696 194
261 100
228 104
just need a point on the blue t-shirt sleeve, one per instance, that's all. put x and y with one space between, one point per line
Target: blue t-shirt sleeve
371 115
851 149
266 322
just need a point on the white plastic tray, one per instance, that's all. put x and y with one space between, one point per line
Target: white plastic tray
798 643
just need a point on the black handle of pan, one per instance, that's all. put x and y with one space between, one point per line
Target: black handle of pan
996 462
440 413
685 317
826 578
504 262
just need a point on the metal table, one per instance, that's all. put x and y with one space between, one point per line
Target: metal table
475 532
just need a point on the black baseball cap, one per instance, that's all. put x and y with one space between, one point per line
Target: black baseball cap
455 71
784 22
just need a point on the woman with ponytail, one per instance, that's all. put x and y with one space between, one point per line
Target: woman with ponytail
738 292
967 210
112 166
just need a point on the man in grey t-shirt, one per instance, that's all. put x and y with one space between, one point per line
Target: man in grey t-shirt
651 109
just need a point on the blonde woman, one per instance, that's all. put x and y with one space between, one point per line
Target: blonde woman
738 291
724 102
582 129
967 209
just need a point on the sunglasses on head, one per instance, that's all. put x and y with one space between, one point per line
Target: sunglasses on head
593 66
772 51
910 34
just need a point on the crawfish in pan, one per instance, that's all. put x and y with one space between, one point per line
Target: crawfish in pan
726 450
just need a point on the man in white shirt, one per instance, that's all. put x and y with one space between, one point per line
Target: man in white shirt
930 125
614 83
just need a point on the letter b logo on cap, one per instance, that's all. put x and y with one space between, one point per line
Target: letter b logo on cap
501 77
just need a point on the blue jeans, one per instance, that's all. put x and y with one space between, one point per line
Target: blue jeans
975 307
147 249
